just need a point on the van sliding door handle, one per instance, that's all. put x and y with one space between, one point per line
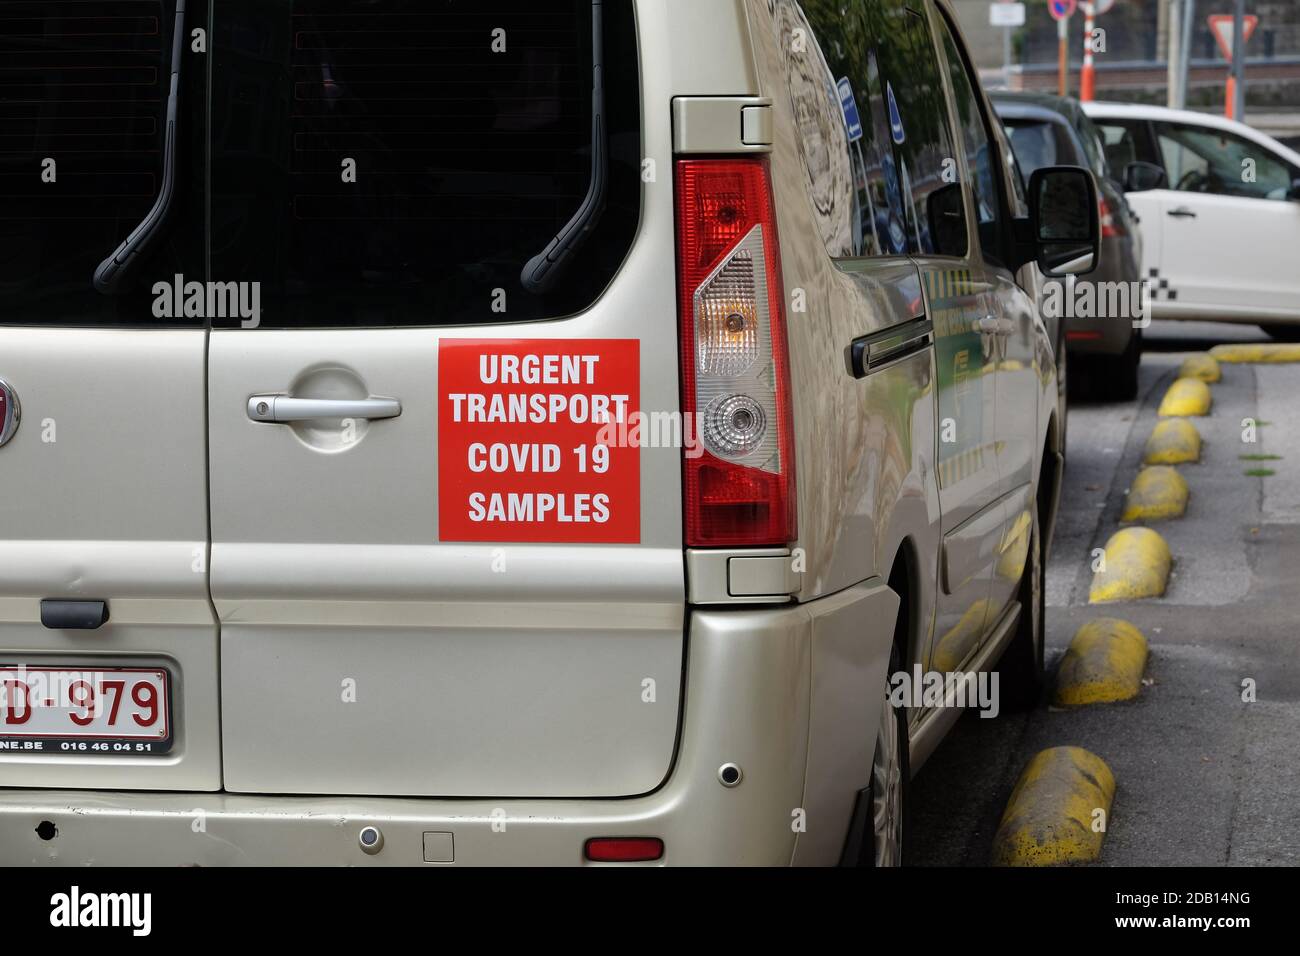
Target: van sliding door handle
1182 212
282 408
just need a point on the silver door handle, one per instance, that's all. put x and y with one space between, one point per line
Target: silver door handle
282 408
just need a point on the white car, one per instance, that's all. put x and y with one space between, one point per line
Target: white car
1222 226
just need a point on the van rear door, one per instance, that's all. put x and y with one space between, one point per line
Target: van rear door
436 574
108 643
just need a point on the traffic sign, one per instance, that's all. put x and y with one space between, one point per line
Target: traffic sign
1061 9
1006 14
1221 27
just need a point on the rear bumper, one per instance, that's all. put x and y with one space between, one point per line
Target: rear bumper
746 701
1109 334
1095 336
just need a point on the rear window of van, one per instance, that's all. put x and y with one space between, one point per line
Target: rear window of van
398 162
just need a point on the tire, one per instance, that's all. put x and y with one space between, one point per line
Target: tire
1283 333
1020 682
1121 384
890 783
1063 371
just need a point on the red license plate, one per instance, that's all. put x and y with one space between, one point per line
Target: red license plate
84 711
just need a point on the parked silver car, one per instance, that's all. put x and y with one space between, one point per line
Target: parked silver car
1046 130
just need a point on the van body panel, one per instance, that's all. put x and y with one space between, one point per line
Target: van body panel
105 499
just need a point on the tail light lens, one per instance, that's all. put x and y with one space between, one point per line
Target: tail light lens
739 479
1110 226
624 849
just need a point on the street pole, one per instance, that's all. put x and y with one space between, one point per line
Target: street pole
1006 55
1087 76
1062 55
1184 64
1175 51
1239 61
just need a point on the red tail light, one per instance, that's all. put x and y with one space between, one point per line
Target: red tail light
1109 225
624 849
739 477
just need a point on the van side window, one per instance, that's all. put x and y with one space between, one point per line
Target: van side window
83 107
919 128
871 66
400 171
980 152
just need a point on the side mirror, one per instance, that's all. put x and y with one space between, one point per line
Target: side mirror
1140 176
1064 223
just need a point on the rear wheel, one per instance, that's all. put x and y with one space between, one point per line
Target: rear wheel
1021 668
1283 333
889 780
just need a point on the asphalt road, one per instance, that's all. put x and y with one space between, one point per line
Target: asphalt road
1203 777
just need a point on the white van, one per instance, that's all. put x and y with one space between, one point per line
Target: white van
510 433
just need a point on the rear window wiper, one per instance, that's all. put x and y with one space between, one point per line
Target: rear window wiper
112 272
543 269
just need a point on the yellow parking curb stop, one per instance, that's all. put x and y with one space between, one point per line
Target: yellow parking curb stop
1158 492
1103 664
1173 442
1186 397
1200 366
1265 352
1135 565
1058 812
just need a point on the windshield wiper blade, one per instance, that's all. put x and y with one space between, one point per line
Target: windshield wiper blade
543 269
113 271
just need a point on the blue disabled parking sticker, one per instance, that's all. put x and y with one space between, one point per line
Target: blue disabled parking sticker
849 107
895 120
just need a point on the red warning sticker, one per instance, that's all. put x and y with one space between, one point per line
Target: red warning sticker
524 440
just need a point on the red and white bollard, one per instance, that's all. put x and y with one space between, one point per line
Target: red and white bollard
1088 76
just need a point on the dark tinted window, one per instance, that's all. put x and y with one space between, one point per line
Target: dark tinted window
83 99
468 159
883 72
917 110
981 157
1040 143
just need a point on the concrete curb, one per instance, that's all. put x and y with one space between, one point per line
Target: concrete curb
1051 815
1187 397
1203 367
1173 441
1158 493
1103 664
1262 353
1136 565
